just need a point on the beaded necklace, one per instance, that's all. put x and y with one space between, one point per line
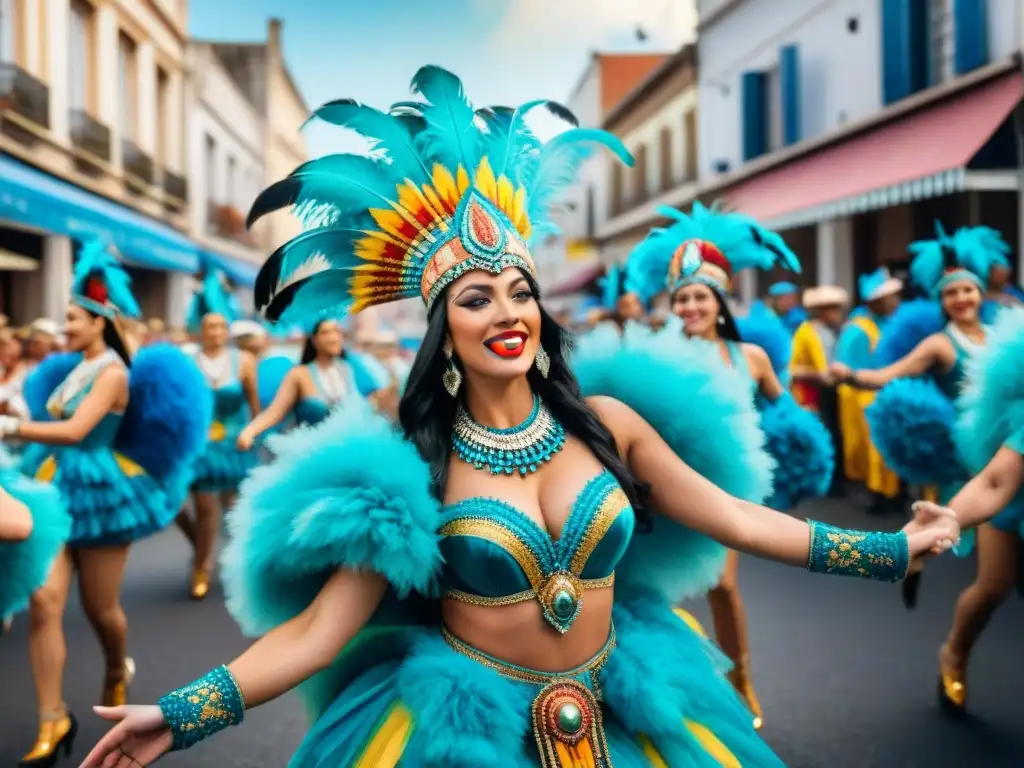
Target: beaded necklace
520 449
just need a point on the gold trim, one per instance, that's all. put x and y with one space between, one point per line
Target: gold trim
520 597
608 512
485 528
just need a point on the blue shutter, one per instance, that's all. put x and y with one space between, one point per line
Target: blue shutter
895 50
971 34
755 112
789 81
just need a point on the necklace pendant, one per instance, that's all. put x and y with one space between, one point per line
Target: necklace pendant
518 450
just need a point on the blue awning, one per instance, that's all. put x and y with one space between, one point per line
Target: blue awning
242 273
45 202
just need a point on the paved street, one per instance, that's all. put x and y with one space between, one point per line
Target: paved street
846 676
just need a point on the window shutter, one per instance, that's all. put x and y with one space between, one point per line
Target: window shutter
895 50
755 111
970 29
789 75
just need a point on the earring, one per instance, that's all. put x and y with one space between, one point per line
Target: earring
452 377
542 361
721 319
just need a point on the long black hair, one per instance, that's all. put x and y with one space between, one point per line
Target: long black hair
725 322
309 350
112 338
427 412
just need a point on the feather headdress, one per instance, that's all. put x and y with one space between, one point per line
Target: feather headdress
212 296
967 254
707 247
100 283
445 190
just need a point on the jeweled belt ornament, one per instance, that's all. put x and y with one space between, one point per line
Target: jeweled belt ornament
516 450
567 726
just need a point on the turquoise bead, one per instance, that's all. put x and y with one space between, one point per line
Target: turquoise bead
563 605
570 719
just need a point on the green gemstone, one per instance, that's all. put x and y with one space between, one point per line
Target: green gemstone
564 604
570 719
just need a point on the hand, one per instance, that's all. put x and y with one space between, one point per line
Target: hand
840 372
933 530
140 738
244 440
9 426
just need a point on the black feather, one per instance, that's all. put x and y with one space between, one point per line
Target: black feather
278 195
562 112
949 260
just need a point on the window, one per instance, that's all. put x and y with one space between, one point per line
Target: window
163 114
773 108
127 86
232 190
6 30
690 145
639 191
591 213
665 158
79 58
942 45
617 189
211 169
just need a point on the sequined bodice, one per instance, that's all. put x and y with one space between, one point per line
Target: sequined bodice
100 436
496 555
229 397
314 409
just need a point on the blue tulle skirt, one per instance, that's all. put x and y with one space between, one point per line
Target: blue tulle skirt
25 565
222 467
415 699
111 500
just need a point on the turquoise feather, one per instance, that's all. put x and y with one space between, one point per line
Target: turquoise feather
96 260
975 249
450 136
559 163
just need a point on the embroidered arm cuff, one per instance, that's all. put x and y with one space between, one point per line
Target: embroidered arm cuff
201 709
882 556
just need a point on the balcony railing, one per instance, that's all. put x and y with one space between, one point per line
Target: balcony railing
89 134
23 95
175 185
228 222
136 162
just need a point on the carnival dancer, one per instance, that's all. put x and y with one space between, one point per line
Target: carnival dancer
880 292
990 437
784 300
231 377
322 379
113 433
700 254
479 547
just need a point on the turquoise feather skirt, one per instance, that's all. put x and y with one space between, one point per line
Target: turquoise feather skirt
414 699
222 467
110 499
25 565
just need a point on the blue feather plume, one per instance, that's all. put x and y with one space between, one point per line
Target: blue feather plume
803 452
611 287
270 375
450 136
911 323
44 379
212 297
974 249
96 261
763 328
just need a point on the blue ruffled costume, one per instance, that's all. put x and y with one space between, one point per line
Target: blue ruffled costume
222 467
353 493
25 565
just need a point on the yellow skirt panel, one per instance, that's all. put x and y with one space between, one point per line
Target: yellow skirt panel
48 469
388 743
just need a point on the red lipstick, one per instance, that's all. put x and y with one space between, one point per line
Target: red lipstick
508 344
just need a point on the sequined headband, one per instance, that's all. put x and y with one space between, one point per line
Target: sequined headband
699 261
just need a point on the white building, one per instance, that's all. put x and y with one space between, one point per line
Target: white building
227 150
853 125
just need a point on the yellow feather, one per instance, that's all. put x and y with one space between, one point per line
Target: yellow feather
409 200
463 181
445 185
505 196
519 218
485 180
436 212
391 223
437 205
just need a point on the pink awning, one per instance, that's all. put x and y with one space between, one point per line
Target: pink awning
923 145
577 281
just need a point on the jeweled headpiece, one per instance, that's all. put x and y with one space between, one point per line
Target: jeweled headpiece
446 189
705 247
100 283
967 254
212 296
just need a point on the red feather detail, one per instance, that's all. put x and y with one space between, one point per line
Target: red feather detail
712 254
96 290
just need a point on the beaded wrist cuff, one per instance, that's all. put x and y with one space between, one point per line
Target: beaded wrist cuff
201 709
870 555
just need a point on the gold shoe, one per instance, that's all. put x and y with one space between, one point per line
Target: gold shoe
952 681
740 680
57 732
200 583
115 693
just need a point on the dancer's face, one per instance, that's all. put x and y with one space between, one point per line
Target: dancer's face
83 328
698 308
629 307
493 324
962 301
328 339
214 334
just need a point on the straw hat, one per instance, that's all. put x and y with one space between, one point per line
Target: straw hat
826 296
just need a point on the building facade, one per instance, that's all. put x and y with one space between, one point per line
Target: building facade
852 126
91 143
227 165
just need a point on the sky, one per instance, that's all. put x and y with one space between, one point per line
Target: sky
505 51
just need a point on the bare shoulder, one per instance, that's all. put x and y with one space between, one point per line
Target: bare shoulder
113 375
247 359
754 354
621 420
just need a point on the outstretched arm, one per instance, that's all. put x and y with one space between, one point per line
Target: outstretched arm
926 355
108 391
247 374
15 519
273 665
991 490
284 401
679 493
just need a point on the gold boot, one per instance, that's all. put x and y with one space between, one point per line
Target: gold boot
952 681
115 692
200 583
57 731
739 676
